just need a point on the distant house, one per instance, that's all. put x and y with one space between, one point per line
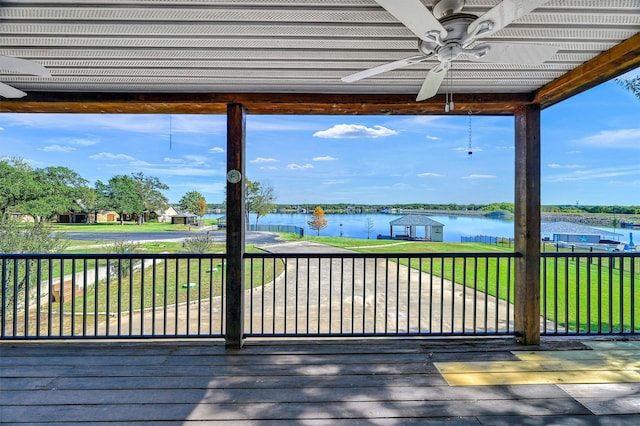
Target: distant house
163 215
86 217
411 226
107 216
184 219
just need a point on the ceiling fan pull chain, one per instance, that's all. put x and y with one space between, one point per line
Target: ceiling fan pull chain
469 151
446 101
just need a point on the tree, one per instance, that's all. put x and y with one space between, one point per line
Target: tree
16 184
135 194
24 237
193 202
40 193
149 188
319 220
200 243
120 194
369 224
259 199
55 190
631 84
121 268
201 208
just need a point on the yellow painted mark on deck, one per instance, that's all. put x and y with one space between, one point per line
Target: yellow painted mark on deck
607 362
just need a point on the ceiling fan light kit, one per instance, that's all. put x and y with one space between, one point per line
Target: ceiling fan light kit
446 33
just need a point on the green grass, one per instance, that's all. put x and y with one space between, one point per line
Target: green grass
580 287
136 291
117 227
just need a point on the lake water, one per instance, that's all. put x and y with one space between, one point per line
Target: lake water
355 225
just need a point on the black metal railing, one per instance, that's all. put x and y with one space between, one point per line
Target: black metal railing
315 294
590 293
112 296
383 294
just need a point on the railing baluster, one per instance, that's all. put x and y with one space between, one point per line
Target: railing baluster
497 298
38 297
274 294
353 294
603 302
177 299
375 295
85 290
154 272
165 296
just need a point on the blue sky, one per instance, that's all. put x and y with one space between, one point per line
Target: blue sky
590 153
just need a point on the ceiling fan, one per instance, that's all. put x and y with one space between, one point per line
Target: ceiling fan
21 66
446 34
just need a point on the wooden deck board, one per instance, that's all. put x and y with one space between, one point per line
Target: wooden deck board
267 383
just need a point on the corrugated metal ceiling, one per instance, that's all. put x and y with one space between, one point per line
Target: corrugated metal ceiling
279 46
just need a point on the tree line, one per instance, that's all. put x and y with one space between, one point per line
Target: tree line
47 192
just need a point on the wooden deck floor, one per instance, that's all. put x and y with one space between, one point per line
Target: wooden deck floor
381 382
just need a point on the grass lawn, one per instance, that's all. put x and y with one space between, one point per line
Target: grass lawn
587 293
133 291
117 227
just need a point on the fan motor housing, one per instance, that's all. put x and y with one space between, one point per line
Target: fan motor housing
444 8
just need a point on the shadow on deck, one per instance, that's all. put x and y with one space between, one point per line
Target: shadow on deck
331 382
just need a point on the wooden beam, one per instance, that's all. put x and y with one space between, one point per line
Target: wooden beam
261 103
527 225
234 302
610 64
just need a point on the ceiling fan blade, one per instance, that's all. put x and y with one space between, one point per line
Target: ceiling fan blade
415 16
23 66
384 68
10 92
502 15
433 81
515 53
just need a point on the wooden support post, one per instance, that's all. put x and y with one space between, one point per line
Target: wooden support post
234 317
527 224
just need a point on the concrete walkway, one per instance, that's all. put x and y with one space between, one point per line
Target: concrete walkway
338 295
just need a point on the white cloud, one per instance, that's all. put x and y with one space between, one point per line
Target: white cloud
83 142
181 171
433 138
139 163
216 150
196 159
428 174
138 123
595 174
111 156
272 124
564 166
58 148
264 160
474 177
268 168
173 160
324 158
336 182
621 138
294 166
353 131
